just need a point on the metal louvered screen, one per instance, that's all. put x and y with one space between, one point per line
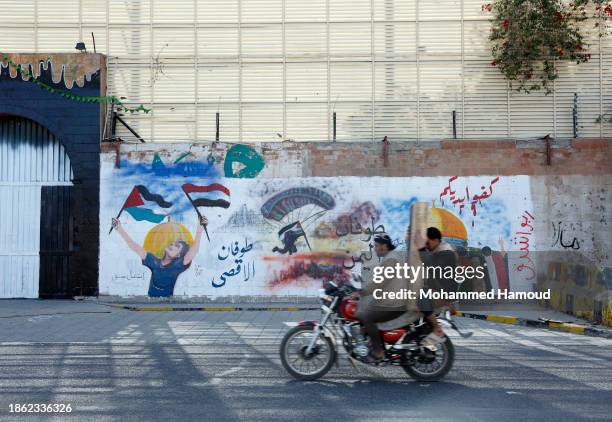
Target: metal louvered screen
31 155
280 68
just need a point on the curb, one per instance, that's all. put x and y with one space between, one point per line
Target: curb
211 308
540 323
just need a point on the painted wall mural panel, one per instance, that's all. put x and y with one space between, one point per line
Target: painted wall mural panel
286 236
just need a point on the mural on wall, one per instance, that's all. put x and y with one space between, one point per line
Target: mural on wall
242 161
295 210
168 248
286 236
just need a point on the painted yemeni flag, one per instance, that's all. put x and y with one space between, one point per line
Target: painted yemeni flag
142 205
214 195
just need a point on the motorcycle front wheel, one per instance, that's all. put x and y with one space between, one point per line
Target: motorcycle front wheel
296 360
433 366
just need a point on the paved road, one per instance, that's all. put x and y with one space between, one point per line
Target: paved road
112 364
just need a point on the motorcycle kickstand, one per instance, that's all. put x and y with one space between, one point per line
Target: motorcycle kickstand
351 361
459 331
359 368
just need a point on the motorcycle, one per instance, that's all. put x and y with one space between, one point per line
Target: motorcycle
310 349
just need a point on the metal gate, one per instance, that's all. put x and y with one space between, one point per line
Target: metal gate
31 160
55 242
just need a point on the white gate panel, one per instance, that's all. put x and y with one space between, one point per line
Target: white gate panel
19 241
30 157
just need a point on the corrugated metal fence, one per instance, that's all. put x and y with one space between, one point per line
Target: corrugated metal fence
279 69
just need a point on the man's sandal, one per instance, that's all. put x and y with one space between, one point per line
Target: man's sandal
432 341
370 358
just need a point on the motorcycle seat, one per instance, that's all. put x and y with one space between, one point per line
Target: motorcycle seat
404 319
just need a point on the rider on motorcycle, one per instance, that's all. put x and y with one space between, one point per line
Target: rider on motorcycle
372 311
436 253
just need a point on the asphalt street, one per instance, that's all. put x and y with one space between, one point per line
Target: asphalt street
114 364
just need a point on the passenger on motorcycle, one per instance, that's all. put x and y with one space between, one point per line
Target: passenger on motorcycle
435 253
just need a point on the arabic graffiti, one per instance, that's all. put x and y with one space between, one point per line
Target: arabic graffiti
131 276
353 222
237 254
370 233
246 157
348 225
362 257
522 239
558 233
463 201
307 271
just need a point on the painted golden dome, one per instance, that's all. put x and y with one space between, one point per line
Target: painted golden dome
160 236
452 228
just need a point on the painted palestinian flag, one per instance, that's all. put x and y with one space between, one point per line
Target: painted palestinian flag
214 195
141 205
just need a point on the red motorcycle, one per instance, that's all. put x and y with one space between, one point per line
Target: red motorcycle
309 350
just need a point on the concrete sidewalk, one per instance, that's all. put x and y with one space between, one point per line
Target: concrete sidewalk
515 314
12 308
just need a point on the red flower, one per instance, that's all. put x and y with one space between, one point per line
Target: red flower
494 63
487 7
579 47
505 23
559 16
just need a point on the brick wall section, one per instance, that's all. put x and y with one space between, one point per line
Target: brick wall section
77 125
435 158
587 157
461 158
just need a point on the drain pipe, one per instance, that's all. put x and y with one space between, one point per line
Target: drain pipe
575 115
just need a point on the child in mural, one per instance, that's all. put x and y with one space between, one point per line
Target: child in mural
177 257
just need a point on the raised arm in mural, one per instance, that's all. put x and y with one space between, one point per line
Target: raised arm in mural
175 258
140 251
195 247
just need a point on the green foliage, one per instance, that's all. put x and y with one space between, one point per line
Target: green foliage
530 36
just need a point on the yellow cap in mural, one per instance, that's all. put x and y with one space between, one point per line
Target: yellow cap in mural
162 235
452 228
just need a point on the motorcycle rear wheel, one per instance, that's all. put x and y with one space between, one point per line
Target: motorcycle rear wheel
297 363
428 372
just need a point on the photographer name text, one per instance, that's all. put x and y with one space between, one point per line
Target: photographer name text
494 294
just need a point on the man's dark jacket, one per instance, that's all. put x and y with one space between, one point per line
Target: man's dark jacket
443 256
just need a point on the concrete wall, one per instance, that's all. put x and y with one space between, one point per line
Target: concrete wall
77 124
513 202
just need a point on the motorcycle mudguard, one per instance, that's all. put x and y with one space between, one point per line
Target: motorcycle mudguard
326 331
